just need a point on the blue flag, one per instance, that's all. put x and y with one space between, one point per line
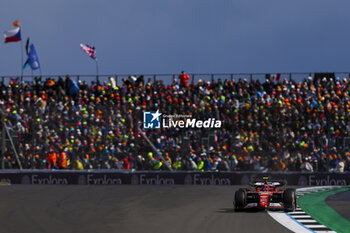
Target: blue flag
32 60
74 88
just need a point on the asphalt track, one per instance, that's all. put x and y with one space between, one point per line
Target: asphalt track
29 208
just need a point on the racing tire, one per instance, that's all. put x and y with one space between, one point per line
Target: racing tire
289 200
240 199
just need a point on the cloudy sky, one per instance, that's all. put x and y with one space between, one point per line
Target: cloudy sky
167 36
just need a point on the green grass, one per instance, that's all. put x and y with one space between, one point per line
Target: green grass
315 205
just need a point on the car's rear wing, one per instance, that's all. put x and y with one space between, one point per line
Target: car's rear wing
274 183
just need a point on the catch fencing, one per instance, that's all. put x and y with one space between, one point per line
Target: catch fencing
169 78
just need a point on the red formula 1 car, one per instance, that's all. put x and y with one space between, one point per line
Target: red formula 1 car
266 195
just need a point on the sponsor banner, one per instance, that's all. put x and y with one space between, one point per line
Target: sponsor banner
108 177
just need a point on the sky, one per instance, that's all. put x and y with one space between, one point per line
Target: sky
167 36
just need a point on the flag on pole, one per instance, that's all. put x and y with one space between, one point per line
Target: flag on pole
32 59
277 77
16 23
27 46
13 35
90 50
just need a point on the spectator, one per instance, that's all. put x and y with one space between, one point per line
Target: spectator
184 79
306 166
347 163
52 159
126 164
62 160
340 166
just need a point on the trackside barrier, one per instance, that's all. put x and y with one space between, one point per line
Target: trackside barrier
113 177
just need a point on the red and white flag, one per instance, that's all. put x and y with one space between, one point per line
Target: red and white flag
13 35
90 50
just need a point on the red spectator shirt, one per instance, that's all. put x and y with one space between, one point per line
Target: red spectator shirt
184 78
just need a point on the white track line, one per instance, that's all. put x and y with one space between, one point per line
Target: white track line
288 222
306 221
301 216
315 226
325 231
297 212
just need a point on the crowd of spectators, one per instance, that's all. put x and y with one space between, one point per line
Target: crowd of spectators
270 125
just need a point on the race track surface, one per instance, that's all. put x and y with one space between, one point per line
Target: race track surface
26 208
341 203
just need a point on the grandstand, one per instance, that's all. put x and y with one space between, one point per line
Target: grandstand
270 122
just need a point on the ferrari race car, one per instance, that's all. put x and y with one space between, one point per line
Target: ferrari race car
266 195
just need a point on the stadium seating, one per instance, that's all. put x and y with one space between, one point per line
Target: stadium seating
270 125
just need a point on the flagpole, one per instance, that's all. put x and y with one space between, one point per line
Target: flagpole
97 78
21 59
